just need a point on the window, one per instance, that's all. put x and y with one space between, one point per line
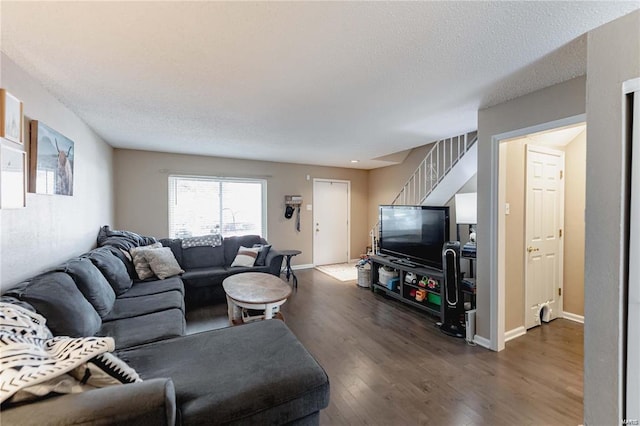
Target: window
205 205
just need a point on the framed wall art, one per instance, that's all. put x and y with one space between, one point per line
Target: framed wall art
51 161
13 177
11 117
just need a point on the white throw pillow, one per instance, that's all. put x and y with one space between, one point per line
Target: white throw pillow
246 256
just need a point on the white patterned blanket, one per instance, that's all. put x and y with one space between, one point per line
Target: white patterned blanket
30 355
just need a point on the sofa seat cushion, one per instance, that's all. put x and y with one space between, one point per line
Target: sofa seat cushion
142 329
91 283
257 373
55 296
143 288
142 305
232 270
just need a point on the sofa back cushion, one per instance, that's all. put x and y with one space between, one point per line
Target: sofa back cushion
232 244
175 244
92 284
55 296
112 268
202 257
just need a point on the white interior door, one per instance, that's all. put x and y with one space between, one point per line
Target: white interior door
544 223
330 221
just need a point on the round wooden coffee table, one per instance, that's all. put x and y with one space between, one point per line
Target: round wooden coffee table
256 291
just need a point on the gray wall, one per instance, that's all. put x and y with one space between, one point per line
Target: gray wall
613 57
53 228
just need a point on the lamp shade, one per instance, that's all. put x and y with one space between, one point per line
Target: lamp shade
466 208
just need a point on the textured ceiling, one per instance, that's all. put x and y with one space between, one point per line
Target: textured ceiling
304 82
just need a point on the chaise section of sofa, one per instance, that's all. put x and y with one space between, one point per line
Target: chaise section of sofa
257 373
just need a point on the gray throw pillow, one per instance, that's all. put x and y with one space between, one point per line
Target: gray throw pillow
56 297
92 284
262 254
163 263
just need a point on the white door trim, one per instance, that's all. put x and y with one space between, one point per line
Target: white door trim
632 384
497 195
348 182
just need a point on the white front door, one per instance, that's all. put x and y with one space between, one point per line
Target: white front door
544 224
330 221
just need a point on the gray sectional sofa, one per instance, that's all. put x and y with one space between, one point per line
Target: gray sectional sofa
205 266
257 373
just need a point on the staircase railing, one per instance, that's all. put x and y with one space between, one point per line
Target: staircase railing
440 159
443 155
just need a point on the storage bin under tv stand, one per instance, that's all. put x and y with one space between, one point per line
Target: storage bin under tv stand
403 291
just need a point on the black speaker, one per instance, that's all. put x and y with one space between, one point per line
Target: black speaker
453 300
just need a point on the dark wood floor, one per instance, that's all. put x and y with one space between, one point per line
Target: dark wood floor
389 365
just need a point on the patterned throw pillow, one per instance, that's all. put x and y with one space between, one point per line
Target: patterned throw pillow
163 263
140 261
246 256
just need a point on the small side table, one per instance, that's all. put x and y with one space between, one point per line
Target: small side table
288 254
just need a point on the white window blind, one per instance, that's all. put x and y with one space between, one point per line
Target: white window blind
205 205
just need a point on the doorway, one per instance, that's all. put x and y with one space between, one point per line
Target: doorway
542 259
331 205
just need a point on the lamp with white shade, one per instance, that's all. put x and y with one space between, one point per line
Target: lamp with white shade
466 212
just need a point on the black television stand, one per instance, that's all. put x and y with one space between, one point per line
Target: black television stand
406 292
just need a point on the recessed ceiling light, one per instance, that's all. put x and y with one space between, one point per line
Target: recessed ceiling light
355 161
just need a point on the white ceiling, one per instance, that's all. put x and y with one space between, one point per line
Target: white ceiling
304 82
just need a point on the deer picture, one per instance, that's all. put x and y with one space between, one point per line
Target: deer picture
64 172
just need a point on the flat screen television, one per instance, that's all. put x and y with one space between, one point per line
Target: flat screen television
414 233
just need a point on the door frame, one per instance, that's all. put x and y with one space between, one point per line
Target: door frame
560 305
497 223
631 327
313 234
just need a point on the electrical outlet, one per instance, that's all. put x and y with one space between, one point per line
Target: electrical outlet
506 208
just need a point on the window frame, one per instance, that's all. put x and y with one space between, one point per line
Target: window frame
262 181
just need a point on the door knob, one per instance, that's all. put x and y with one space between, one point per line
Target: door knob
531 249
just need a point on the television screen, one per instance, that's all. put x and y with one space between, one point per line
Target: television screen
415 233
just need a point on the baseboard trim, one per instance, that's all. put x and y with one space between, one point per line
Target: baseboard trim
573 317
305 266
516 332
479 340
